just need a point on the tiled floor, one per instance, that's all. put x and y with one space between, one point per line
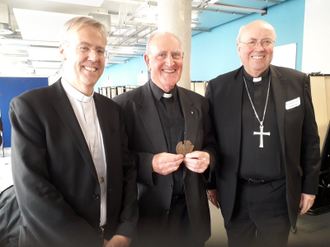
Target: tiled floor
313 231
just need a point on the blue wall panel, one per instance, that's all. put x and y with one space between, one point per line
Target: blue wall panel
11 87
122 74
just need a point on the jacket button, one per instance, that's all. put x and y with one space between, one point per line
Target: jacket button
170 186
95 197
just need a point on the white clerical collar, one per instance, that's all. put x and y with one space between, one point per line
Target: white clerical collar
257 79
74 93
167 95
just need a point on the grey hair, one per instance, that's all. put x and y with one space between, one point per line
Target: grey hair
77 22
238 39
156 33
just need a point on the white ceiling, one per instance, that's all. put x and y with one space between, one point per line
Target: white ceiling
33 47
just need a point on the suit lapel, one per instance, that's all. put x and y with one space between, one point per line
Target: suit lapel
190 115
151 120
279 92
67 115
235 100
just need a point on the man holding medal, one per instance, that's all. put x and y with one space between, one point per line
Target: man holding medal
161 119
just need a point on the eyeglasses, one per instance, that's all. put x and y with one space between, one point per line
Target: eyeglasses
175 55
263 43
85 49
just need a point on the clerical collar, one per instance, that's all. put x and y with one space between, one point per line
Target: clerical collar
74 93
159 93
262 77
167 95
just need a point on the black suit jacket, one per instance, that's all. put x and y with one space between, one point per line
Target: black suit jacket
297 129
146 139
54 175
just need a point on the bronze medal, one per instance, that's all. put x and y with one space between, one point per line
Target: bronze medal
184 148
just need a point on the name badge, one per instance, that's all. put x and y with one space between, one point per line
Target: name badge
292 103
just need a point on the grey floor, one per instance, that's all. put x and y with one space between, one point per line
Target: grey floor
313 231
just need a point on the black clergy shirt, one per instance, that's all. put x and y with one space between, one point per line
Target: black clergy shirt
171 117
256 162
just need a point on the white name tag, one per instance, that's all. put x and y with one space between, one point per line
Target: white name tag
292 103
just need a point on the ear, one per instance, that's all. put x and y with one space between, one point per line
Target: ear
62 52
238 49
147 61
182 55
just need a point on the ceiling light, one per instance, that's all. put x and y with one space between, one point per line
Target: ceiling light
94 3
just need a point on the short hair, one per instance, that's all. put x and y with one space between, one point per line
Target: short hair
238 39
156 33
77 22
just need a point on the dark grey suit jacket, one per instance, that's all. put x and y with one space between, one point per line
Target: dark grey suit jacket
54 175
297 128
146 139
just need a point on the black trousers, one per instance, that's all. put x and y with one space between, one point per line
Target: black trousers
179 228
177 231
260 216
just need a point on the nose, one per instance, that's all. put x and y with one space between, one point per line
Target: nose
169 60
93 55
259 46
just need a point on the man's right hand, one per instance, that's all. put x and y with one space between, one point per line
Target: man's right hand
166 163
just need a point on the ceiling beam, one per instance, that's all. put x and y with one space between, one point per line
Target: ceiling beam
237 8
271 1
219 11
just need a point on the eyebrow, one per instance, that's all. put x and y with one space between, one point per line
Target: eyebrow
170 51
88 44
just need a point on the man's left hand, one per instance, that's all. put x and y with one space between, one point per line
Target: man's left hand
119 241
197 161
306 202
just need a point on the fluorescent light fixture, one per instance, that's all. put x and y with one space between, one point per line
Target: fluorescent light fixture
93 3
46 65
44 54
45 72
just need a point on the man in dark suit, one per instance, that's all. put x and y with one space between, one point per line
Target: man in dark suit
171 191
74 176
269 145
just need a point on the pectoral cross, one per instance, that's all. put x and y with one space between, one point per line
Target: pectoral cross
262 134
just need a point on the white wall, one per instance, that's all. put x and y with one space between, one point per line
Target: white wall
316 44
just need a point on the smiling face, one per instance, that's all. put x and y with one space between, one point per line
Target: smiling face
82 69
256 59
164 59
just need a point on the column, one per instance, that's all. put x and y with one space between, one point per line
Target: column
175 16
